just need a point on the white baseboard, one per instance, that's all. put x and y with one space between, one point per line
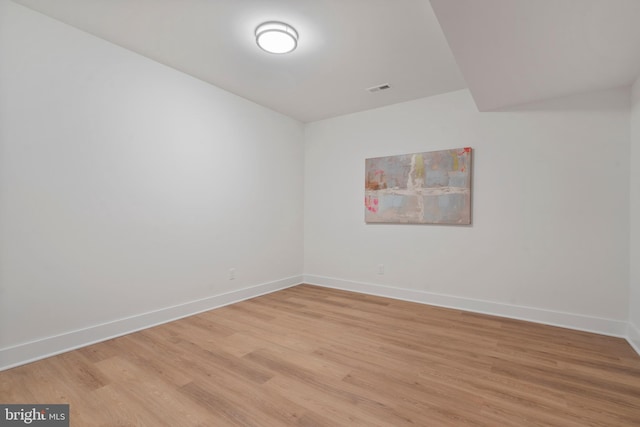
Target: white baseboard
616 328
633 336
29 352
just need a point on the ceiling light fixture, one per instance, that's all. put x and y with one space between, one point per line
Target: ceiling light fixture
276 37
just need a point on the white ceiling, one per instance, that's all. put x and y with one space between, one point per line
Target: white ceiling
509 51
519 51
345 46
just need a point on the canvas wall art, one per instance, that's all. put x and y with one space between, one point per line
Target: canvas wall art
419 188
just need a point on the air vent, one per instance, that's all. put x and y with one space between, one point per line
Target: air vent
379 88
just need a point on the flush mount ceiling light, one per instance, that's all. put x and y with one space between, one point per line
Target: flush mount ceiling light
276 37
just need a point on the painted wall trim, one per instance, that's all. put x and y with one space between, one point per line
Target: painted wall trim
633 336
50 346
616 328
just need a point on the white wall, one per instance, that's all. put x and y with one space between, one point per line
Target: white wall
128 190
550 209
634 304
127 187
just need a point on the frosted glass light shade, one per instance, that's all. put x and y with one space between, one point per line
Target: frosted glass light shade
276 37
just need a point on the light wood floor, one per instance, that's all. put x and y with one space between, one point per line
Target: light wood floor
311 356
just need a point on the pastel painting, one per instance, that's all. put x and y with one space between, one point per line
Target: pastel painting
419 188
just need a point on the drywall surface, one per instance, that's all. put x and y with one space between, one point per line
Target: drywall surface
634 304
550 206
127 187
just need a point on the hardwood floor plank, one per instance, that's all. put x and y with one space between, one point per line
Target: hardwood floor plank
312 356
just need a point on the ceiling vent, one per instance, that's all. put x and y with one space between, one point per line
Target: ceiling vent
379 88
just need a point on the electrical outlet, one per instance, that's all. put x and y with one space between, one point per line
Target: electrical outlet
232 273
380 268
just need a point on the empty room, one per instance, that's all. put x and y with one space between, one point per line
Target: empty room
319 213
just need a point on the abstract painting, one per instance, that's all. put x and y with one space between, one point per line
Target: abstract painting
419 188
